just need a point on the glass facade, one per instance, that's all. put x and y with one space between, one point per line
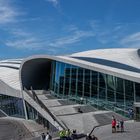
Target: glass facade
96 88
12 106
34 115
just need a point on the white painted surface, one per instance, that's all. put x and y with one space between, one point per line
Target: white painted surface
10 77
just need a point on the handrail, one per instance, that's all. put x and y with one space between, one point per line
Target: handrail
50 113
3 113
38 101
94 129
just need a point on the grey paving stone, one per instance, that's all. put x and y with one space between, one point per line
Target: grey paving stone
86 108
132 132
106 118
50 96
12 130
66 102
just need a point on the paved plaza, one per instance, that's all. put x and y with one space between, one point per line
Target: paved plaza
132 132
67 113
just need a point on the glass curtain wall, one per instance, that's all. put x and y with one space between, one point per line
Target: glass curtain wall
67 79
80 78
137 91
36 116
107 90
12 106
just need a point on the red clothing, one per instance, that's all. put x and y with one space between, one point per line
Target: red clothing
113 123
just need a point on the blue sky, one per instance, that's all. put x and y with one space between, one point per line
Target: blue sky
59 27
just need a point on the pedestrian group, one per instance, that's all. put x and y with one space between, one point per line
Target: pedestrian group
67 134
46 137
117 126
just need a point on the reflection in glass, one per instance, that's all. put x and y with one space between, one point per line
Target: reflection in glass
137 90
94 84
73 80
80 82
12 106
103 89
87 83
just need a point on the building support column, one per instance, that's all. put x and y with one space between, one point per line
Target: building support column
134 91
70 81
64 81
124 94
106 87
76 82
98 84
24 105
90 88
83 82
59 72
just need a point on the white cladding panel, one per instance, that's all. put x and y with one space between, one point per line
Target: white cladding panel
125 56
10 77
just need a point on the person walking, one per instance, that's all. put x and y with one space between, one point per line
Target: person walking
47 136
88 137
74 134
68 134
118 125
114 125
43 136
62 135
122 125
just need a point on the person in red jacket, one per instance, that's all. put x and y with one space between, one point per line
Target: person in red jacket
114 125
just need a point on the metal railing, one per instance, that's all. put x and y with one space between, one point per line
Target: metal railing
97 103
38 101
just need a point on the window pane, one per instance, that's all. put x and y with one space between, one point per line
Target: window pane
102 86
129 93
110 81
94 82
80 82
73 80
61 77
87 83
119 91
137 90
67 79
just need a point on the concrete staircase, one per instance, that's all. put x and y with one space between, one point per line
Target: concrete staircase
67 112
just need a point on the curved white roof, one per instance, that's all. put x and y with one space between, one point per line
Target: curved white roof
123 63
125 56
9 73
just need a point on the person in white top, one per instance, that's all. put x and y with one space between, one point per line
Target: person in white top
48 136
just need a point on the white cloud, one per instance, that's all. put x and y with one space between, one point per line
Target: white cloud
27 43
8 13
94 24
19 33
70 28
132 40
54 2
23 40
108 35
16 38
117 28
75 37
